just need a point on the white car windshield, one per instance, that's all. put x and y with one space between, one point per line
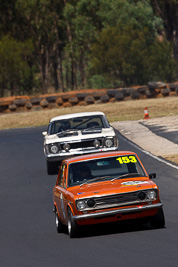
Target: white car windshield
111 168
79 123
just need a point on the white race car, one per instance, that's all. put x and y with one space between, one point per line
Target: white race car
77 134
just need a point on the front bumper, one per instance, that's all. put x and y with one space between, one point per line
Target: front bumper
63 155
104 214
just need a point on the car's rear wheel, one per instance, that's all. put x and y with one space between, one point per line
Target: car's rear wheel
59 225
158 221
52 167
72 225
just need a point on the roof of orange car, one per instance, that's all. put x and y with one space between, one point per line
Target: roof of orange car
98 155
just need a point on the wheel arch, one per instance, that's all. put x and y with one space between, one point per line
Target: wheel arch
69 206
55 210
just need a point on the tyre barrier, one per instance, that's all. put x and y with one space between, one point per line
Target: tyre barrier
44 103
104 98
36 100
119 96
112 92
165 91
89 100
86 97
73 100
173 87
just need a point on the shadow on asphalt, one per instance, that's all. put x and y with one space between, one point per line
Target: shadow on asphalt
112 228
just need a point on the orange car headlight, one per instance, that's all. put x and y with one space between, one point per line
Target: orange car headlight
81 205
151 194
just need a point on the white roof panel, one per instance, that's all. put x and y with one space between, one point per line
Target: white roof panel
76 115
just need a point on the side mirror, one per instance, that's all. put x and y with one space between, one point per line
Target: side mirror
152 175
44 133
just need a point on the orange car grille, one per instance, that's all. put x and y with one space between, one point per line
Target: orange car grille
116 200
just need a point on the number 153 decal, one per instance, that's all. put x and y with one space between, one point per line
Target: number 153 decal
127 159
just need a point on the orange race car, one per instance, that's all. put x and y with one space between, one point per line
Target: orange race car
105 187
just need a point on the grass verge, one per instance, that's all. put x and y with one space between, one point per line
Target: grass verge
172 158
117 111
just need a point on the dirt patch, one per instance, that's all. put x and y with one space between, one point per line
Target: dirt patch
172 158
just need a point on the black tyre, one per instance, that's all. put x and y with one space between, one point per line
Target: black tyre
89 100
142 90
35 100
72 225
20 102
165 92
52 168
65 97
98 94
81 96
135 95
158 221
156 85
173 87
112 92
119 96
51 98
59 225
73 100
104 98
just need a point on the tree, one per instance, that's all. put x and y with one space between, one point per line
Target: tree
15 73
7 16
135 13
63 34
42 20
81 20
168 11
131 56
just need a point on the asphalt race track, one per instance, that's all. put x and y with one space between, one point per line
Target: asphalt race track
28 235
160 130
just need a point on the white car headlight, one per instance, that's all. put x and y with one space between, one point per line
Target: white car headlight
96 144
54 149
66 147
109 142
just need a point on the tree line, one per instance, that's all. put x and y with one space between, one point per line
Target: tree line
77 44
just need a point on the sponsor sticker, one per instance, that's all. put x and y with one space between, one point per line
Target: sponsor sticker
132 183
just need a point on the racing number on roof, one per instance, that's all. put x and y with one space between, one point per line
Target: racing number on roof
126 159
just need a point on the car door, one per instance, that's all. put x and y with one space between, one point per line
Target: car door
59 192
64 194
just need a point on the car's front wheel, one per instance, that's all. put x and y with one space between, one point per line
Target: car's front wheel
158 221
72 225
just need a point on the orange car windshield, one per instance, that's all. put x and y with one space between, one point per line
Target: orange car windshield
110 168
